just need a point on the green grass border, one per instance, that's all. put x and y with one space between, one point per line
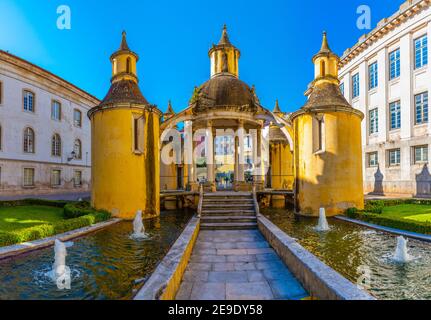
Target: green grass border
373 214
77 215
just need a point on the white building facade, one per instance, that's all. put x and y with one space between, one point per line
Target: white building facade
386 76
45 134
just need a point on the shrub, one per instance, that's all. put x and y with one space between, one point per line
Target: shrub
391 222
49 230
77 209
33 202
352 213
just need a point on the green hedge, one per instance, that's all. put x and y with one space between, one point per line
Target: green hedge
77 215
413 226
34 202
77 209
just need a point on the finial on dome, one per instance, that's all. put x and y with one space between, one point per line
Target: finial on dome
224 37
277 107
124 46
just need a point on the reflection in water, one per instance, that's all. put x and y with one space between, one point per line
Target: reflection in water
104 265
349 248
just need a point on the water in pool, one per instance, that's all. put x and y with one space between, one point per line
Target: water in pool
104 265
353 250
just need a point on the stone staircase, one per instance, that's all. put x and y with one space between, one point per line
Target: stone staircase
228 211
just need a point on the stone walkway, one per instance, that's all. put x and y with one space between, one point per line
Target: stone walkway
237 265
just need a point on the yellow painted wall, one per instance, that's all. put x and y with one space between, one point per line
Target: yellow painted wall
123 181
332 179
281 167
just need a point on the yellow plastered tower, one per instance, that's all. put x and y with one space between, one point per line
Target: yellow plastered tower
281 159
125 144
328 147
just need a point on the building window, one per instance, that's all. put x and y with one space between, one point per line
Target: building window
56 178
55 110
28 101
342 88
394 157
373 76
421 52
77 118
77 149
28 177
374 121
322 68
138 136
56 145
420 154
373 159
395 111
128 65
421 104
355 85
77 179
1 93
29 140
318 134
394 61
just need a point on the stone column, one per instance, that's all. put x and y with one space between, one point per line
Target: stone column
188 151
209 139
241 160
236 167
260 170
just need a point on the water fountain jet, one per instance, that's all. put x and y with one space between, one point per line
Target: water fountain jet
323 222
401 253
60 272
138 227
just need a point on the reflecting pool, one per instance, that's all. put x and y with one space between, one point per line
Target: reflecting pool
104 265
363 255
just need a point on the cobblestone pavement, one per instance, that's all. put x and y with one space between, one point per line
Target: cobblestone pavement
237 265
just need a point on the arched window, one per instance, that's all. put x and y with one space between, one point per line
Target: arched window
56 145
77 148
28 140
322 68
128 65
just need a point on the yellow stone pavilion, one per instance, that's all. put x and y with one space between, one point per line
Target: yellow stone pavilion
225 139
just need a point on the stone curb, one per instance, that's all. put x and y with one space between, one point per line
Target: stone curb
321 281
408 234
166 279
18 249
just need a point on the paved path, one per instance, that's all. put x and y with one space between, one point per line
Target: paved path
63 196
237 265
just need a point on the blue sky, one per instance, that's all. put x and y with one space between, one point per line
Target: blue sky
277 39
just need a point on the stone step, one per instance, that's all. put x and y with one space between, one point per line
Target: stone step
231 212
228 194
229 226
212 200
228 219
228 206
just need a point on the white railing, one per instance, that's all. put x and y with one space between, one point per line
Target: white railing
201 200
255 202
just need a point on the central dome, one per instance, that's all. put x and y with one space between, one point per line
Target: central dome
224 91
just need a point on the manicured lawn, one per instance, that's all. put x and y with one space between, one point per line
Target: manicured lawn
412 212
21 217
